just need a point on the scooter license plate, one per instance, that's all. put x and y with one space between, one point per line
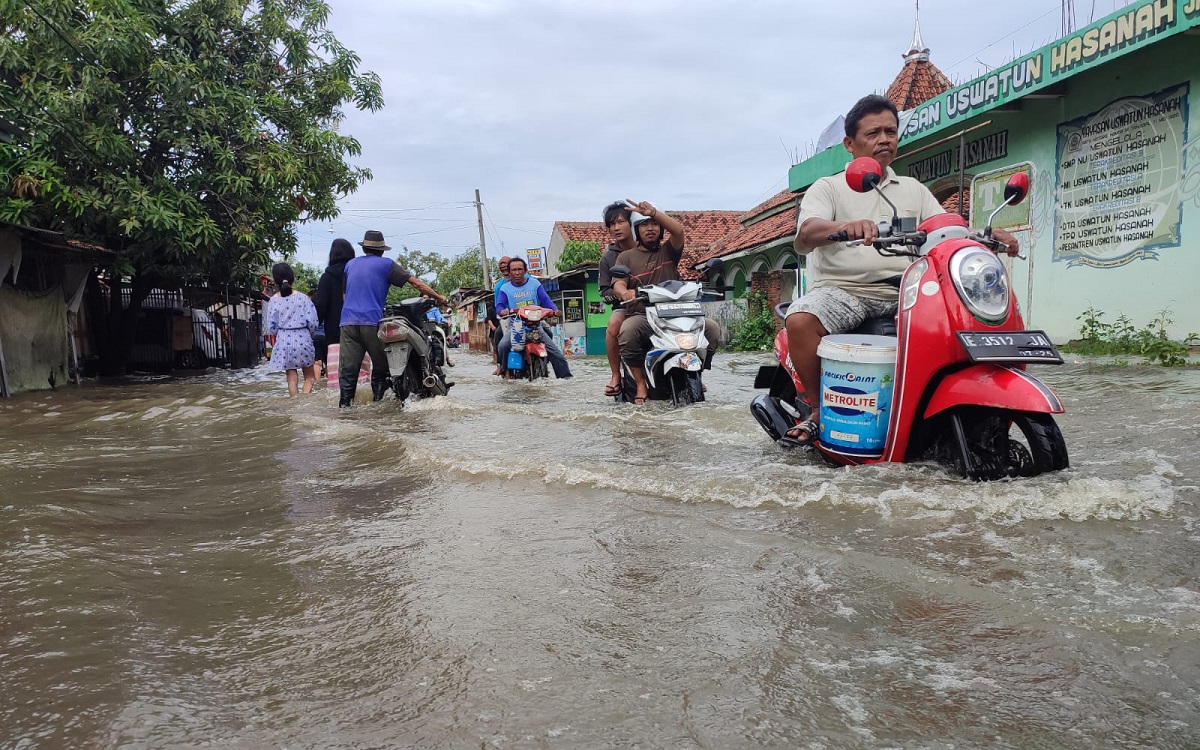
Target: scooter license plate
1010 346
679 309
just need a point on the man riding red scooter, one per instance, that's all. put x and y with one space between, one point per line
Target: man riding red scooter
958 386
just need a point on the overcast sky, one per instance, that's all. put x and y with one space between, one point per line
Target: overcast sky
553 108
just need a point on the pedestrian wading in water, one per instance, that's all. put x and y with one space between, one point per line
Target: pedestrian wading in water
292 319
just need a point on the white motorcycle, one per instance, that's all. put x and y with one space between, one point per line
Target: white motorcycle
678 345
415 350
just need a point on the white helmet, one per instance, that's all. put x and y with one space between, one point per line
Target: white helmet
634 220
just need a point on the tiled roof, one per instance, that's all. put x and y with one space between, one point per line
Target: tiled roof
583 231
777 227
783 196
706 227
951 203
703 229
916 83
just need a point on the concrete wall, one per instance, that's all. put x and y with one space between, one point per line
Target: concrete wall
1055 286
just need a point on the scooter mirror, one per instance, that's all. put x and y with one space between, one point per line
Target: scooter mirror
713 271
1016 189
620 272
863 174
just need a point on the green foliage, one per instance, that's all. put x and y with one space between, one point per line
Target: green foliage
1121 337
188 136
442 274
578 251
464 270
395 294
756 332
307 277
425 265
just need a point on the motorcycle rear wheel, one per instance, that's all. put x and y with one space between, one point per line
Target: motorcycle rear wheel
401 386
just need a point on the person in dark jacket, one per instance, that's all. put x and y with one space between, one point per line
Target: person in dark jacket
331 290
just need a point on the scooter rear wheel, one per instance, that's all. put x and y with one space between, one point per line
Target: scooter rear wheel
401 386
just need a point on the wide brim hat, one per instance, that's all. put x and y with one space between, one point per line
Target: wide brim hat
374 240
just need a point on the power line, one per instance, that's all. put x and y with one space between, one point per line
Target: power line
993 44
435 231
438 207
528 231
61 36
383 218
494 229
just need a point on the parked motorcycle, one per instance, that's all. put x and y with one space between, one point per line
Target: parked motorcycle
675 358
415 350
528 358
960 393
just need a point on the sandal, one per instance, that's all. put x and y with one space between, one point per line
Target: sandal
639 400
612 390
803 435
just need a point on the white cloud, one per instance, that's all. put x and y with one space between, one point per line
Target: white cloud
555 108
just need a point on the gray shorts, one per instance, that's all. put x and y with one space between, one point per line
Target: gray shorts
840 311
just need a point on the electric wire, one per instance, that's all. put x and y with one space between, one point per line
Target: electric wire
496 231
60 35
976 53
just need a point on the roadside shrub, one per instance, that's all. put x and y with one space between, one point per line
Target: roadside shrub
1122 337
755 332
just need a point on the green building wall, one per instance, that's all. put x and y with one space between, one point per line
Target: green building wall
1054 288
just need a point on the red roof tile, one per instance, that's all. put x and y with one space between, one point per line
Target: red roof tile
706 227
703 229
774 201
916 83
951 203
583 231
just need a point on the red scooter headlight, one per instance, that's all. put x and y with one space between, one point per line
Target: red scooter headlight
982 282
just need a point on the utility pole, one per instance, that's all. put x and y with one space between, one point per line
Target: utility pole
487 272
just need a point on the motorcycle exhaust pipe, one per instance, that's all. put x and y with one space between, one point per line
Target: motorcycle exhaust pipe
430 381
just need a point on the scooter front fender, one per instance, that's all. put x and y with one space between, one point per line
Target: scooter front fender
690 361
994 386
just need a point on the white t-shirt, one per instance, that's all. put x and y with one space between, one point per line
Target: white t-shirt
859 270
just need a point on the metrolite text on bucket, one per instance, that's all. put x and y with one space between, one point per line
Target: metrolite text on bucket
857 372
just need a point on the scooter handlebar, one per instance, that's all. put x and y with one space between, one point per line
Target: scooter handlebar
993 244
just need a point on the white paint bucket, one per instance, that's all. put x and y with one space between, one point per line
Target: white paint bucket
857 372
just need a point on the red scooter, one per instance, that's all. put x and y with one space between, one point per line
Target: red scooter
959 393
528 358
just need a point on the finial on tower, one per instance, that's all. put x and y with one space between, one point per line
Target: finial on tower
917 50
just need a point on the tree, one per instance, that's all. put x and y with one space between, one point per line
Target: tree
425 265
578 251
190 137
464 270
307 276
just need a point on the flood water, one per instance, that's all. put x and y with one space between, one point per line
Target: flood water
201 563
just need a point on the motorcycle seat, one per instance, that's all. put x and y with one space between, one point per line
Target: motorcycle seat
885 326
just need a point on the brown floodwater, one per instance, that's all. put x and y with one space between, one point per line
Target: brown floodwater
199 562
